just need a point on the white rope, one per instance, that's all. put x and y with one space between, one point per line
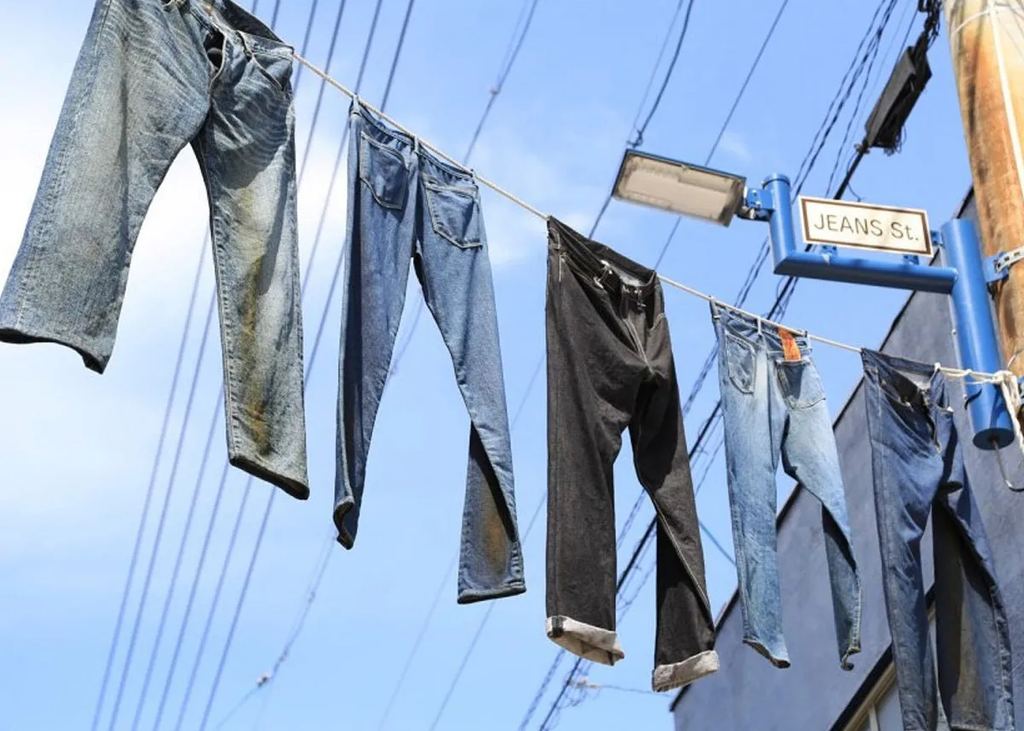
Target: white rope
436 150
1011 115
979 378
990 9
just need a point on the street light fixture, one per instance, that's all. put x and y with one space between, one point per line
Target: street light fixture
670 185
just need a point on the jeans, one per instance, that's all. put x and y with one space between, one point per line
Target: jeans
774 406
153 75
918 468
405 203
610 367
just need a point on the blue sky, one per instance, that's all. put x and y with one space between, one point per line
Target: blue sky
77 449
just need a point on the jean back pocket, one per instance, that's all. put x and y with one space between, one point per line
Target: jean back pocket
455 213
382 169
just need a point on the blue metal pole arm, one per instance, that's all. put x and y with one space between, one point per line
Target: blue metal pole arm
775 199
976 334
964 280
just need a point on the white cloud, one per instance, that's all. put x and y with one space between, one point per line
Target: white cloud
734 145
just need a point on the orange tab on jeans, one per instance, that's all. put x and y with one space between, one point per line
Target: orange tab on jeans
789 347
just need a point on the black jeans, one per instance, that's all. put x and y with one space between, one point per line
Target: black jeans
610 366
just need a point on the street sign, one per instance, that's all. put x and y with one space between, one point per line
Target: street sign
865 226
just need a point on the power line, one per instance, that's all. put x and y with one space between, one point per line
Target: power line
729 116
638 140
447 577
515 46
119 622
323 85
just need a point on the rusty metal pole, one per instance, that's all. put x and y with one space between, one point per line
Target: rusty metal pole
987 45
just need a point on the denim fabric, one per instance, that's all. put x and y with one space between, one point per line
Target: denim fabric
610 367
918 468
152 76
405 203
772 407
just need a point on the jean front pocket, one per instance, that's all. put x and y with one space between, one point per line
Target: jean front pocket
382 169
740 361
276 67
455 213
800 383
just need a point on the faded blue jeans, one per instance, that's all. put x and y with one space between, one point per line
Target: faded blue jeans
918 469
406 204
773 406
151 77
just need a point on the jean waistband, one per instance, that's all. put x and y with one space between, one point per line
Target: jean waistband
889 373
229 18
386 133
601 262
755 330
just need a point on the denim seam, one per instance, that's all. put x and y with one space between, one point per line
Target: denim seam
437 225
751 349
1002 629
884 512
554 535
639 347
216 240
689 570
737 523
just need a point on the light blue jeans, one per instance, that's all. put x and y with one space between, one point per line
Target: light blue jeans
151 77
406 204
772 407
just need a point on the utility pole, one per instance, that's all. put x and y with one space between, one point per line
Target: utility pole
987 45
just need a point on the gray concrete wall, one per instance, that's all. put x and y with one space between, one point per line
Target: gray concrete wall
813 694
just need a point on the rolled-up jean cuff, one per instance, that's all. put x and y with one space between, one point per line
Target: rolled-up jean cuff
346 539
589 642
667 677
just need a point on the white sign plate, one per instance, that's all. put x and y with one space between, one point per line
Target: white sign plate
865 226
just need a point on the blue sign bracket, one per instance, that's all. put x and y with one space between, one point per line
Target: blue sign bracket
964 279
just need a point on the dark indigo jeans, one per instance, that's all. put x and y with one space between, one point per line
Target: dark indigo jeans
151 77
405 203
773 407
918 468
610 367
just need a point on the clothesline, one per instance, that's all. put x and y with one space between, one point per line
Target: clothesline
977 377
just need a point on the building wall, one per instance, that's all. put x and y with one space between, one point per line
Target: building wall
814 694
